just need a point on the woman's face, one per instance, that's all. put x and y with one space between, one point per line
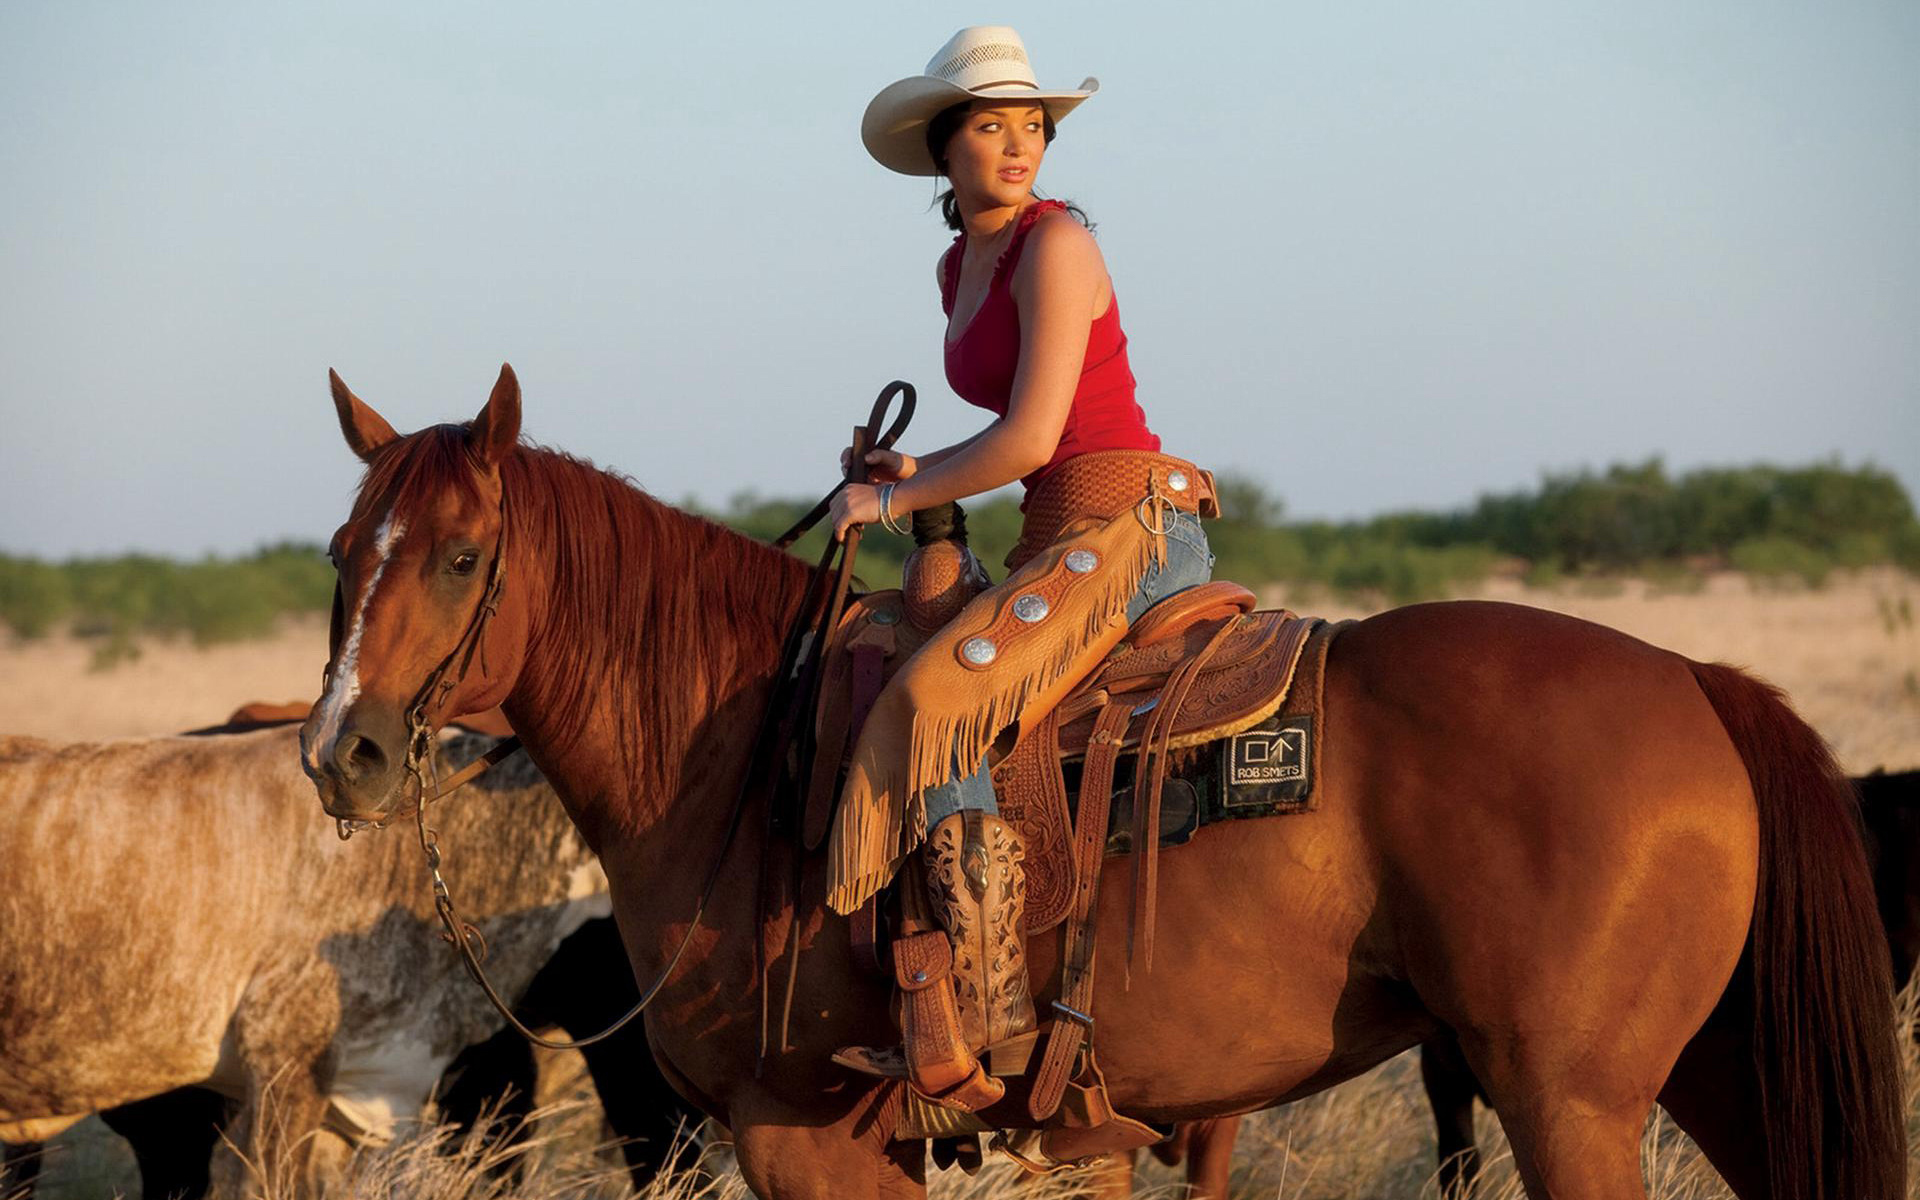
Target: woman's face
994 155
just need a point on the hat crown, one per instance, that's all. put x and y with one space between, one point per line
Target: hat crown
982 56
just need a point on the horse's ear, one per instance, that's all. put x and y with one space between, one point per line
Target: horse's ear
497 429
366 431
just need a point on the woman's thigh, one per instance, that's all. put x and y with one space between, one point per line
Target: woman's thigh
1188 562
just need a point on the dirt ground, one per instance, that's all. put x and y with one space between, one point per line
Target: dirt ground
1848 654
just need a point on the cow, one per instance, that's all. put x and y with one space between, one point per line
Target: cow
175 914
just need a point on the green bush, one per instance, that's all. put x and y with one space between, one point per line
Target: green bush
1774 522
1782 558
211 600
34 596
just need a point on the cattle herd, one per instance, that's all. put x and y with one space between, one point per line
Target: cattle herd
190 951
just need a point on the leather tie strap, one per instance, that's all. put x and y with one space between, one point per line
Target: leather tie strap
1073 1021
1149 775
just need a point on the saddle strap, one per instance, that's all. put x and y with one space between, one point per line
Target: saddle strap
1073 1015
1149 776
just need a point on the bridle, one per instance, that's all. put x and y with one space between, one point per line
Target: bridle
797 678
437 688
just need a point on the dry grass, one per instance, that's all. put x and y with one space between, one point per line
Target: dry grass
1371 1137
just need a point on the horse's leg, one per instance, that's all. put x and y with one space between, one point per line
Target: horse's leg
1210 1164
1573 1121
1714 1095
787 1153
1451 1090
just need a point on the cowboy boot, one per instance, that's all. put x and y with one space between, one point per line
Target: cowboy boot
964 991
978 890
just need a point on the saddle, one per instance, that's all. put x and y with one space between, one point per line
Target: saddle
1200 667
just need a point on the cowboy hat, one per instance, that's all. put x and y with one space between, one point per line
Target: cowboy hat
981 62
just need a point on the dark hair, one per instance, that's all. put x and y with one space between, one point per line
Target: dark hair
940 131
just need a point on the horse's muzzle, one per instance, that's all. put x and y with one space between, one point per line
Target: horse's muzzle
344 804
358 776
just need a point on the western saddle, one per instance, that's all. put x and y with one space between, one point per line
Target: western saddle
1199 666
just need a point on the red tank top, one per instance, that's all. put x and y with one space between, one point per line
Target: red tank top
981 362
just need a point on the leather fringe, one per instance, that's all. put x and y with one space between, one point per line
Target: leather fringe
938 713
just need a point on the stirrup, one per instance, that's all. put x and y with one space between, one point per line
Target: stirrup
977 1091
881 1062
1011 1057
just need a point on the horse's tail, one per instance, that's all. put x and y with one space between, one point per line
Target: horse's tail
1822 999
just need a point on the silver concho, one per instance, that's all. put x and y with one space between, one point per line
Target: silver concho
979 651
883 616
1082 561
1177 480
1030 607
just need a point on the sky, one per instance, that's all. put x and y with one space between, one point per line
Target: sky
1376 255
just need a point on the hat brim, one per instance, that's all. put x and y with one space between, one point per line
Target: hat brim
894 128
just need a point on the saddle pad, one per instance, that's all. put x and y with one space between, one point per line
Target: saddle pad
1243 684
1263 669
1272 768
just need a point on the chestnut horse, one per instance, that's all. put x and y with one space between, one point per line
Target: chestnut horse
1616 875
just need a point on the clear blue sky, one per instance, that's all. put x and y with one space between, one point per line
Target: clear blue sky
1376 254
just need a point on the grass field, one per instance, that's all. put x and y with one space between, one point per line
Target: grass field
1848 655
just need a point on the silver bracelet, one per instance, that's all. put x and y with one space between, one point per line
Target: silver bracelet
887 520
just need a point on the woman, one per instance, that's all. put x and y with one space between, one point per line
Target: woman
1033 336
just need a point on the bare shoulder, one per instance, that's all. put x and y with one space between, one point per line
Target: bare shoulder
1059 246
1060 233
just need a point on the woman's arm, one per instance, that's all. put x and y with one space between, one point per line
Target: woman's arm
889 466
1059 282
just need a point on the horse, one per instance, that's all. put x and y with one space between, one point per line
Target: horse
1618 876
1888 802
174 916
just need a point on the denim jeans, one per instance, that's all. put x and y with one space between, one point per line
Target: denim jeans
1188 561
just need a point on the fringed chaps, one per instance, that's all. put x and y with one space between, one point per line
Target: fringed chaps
1041 630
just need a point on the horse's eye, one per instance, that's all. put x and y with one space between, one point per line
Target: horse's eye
465 562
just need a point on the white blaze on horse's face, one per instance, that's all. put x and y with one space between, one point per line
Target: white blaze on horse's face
344 688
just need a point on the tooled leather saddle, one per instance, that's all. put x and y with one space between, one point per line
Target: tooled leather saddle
1198 672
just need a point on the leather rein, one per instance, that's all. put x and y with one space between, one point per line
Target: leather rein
797 679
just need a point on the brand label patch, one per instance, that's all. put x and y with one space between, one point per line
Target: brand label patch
1270 764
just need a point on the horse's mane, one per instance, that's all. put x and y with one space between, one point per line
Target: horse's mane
656 612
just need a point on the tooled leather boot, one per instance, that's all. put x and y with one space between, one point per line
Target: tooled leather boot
964 991
978 890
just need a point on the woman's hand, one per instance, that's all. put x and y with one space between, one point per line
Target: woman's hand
883 466
857 504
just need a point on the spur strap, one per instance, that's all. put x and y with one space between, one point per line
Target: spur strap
1073 1019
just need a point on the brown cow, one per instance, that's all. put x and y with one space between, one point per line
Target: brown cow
175 913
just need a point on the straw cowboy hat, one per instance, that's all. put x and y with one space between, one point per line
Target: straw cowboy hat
981 62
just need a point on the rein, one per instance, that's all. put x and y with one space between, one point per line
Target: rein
797 676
